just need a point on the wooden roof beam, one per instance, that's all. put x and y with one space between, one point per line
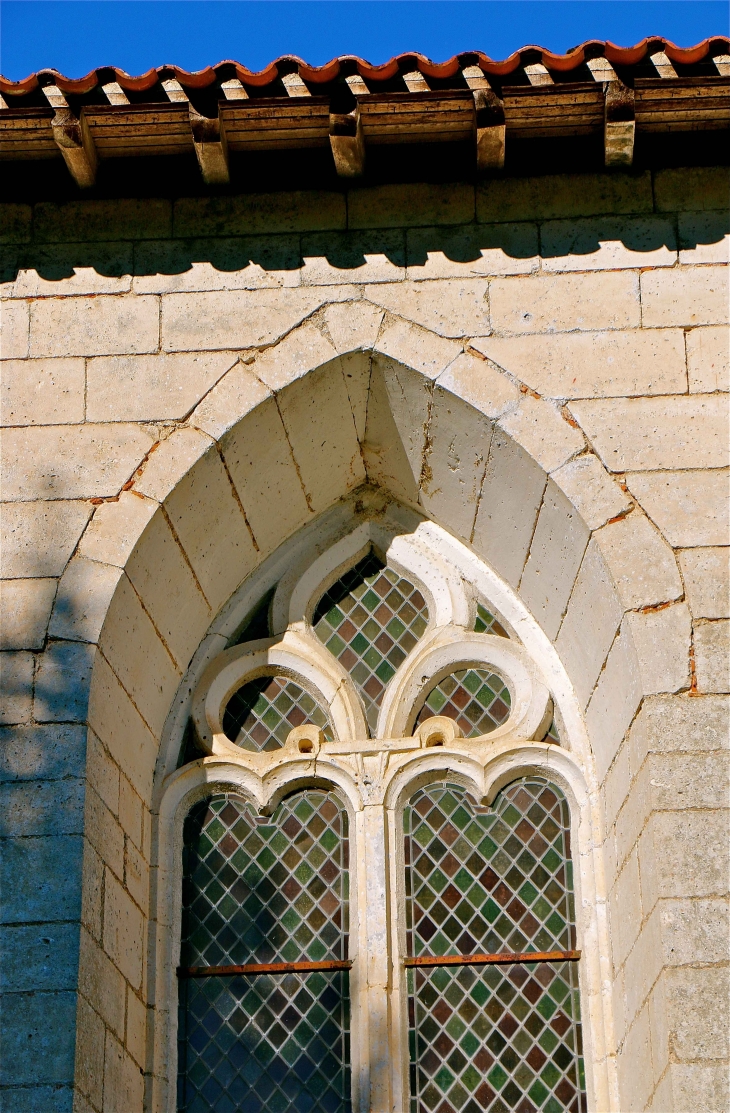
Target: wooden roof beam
73 139
114 93
491 132
347 143
415 82
234 89
619 121
537 74
209 138
662 64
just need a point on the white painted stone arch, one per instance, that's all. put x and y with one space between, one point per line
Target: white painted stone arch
326 426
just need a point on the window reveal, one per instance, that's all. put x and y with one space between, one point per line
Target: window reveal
485 890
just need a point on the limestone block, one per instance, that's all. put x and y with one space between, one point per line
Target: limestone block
455 460
416 348
592 618
125 218
115 528
62 682
632 819
704 237
321 430
634 1066
71 461
259 458
563 195
330 258
564 302
123 1079
14 329
42 808
251 213
34 889
120 726
660 1042
123 930
511 496
35 1051
15 223
353 325
40 752
96 326
481 384
700 1087
624 907
593 364
153 387
694 931
691 188
356 373
681 725
171 595
44 956
708 362
300 352
170 460
698 1011
103 832
684 296
471 250
712 655
544 432
16 690
103 773
642 566
84 593
25 607
397 423
131 815
706 575
39 537
643 966
88 1078
134 650
207 518
235 395
607 243
136 875
235 318
591 490
136 1031
615 796
555 556
42 391
662 642
614 701
689 507
250 263
641 434
683 854
449 307
410 204
70 277
101 982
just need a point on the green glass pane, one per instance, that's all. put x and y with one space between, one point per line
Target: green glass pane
260 715
486 623
383 616
477 699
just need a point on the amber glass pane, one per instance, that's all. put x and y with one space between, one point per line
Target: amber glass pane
370 620
260 715
477 699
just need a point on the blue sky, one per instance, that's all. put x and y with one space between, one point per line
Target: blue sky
73 36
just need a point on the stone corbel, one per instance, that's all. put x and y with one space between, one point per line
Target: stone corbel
211 148
619 124
347 143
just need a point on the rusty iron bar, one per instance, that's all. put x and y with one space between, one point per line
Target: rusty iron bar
501 960
262 968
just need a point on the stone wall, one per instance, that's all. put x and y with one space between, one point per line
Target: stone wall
168 366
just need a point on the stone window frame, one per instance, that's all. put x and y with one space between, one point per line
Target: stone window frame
365 772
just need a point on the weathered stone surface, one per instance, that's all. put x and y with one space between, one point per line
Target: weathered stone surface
169 461
116 527
697 1013
689 507
94 326
123 1080
152 387
15 331
236 318
353 325
39 537
16 696
300 352
71 461
555 556
642 566
607 243
708 359
471 250
84 593
591 620
42 808
684 296
543 431
591 490
74 270
120 726
563 195
640 434
331 258
704 237
25 607
15 223
235 395
699 1087
124 218
712 655
706 575
35 1051
691 188
230 263
679 724
33 890
564 302
42 392
614 701
481 384
684 854
43 953
662 642
249 213
42 752
449 307
408 205
62 682
694 931
397 423
593 364
418 349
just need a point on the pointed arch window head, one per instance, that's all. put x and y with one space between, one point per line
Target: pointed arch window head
260 715
478 700
370 620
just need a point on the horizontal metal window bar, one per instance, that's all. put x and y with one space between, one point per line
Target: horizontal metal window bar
262 968
502 959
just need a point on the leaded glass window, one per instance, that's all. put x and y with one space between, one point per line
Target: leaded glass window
264 989
478 700
486 888
260 715
370 620
487 623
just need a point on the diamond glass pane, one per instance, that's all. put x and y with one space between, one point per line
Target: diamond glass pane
370 620
265 1044
260 715
476 699
499 1038
486 623
265 890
